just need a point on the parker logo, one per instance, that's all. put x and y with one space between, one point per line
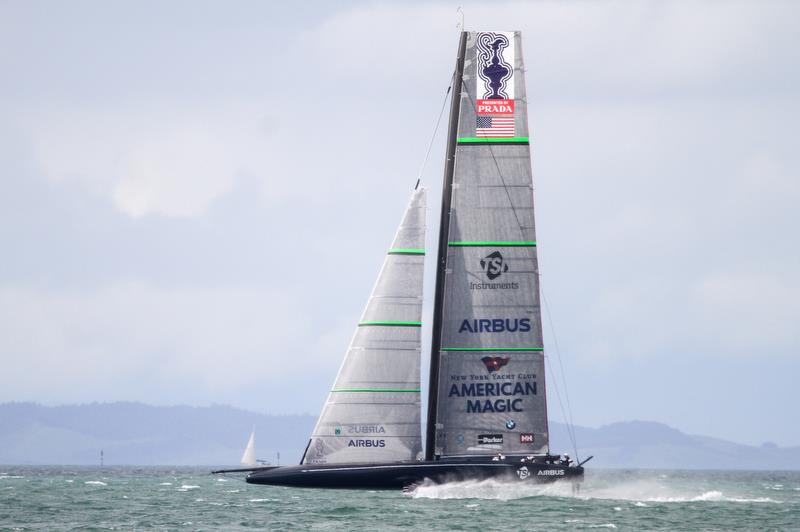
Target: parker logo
493 265
490 439
526 438
494 363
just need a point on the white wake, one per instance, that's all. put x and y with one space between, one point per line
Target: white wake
640 492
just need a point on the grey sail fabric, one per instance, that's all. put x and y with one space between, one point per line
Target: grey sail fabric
373 410
491 394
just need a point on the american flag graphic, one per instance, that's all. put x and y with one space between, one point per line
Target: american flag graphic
493 126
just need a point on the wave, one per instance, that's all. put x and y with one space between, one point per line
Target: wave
638 492
95 483
650 491
488 489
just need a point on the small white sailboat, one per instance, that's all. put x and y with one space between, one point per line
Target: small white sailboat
249 456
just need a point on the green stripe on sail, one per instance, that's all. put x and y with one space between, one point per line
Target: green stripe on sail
406 251
493 244
376 390
493 349
390 324
473 140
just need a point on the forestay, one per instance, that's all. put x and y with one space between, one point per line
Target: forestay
373 411
491 394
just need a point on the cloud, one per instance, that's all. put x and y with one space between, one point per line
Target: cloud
134 340
149 160
745 314
270 166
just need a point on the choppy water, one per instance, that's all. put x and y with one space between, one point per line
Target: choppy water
59 498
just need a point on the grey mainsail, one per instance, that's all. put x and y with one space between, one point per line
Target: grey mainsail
373 410
487 369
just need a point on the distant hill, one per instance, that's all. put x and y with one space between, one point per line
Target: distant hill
646 444
135 433
139 434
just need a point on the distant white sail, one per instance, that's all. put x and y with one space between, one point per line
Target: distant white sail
249 456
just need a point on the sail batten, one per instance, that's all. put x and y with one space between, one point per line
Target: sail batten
372 413
493 244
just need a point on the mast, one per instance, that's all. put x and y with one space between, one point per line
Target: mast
441 258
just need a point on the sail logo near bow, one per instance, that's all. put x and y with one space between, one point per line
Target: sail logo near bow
495 74
359 429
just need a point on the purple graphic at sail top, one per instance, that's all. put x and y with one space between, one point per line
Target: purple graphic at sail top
495 65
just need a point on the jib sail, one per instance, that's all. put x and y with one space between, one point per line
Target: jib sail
373 411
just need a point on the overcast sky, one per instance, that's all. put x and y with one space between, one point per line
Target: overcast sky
196 197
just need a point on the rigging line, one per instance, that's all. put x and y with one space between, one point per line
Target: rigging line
435 130
570 434
570 423
565 413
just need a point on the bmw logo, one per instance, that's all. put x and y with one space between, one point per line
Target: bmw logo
510 424
460 439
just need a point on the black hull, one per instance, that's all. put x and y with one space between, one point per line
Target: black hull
403 474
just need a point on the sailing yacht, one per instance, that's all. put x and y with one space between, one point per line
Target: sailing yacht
249 456
486 406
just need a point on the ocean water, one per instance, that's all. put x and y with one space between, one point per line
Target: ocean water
125 498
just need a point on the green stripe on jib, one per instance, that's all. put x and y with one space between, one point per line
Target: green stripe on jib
473 140
390 324
376 390
406 251
493 349
493 244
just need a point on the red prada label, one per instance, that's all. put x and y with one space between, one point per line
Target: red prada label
495 107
